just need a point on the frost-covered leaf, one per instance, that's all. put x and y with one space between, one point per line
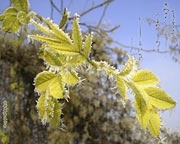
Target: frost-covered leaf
53 58
121 87
76 34
21 5
70 77
22 17
129 67
141 98
159 98
10 24
56 87
87 45
43 80
49 109
75 60
55 120
154 123
145 78
64 18
58 32
63 48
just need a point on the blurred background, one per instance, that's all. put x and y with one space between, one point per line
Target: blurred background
148 30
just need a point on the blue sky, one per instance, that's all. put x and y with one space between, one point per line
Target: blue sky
126 13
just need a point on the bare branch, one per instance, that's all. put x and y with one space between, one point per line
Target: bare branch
57 9
102 16
140 49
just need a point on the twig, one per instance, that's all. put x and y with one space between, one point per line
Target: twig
57 9
140 49
102 16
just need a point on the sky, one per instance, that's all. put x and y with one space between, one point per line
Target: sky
126 13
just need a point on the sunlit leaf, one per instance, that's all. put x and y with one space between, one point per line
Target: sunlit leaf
21 5
145 78
129 67
43 80
56 87
141 98
70 77
154 123
64 18
22 17
10 24
159 98
76 34
87 45
58 32
121 87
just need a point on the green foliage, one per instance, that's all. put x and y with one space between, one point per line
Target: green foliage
15 16
64 56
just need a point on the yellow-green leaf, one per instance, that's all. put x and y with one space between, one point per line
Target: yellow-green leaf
87 45
75 60
56 87
43 80
58 32
121 87
129 67
49 109
154 123
10 11
21 5
145 78
11 24
53 58
159 98
76 34
22 17
141 98
70 77
40 105
64 18
55 120
63 48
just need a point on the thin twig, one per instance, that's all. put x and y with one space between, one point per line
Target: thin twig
140 49
57 9
102 16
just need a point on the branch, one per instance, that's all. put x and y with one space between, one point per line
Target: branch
140 49
103 14
58 10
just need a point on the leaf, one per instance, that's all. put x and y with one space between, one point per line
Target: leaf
22 17
55 120
56 88
10 24
10 11
121 87
63 49
21 5
70 77
43 80
75 60
159 98
141 98
145 78
58 32
87 45
129 67
49 109
45 39
53 58
154 123
64 18
76 34
40 105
